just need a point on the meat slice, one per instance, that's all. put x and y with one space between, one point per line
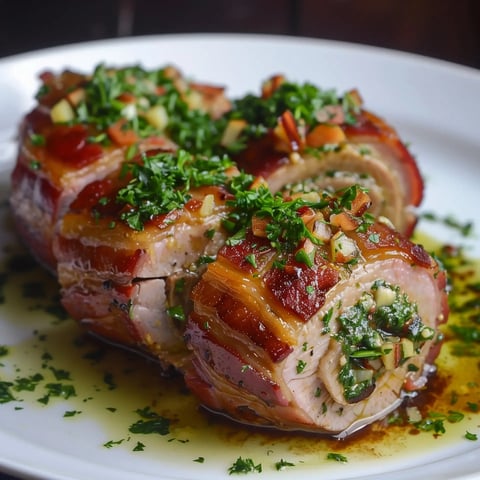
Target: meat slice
299 134
130 247
84 126
322 330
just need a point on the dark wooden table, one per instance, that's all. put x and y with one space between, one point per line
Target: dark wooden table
447 29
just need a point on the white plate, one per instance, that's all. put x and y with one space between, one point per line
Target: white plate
434 105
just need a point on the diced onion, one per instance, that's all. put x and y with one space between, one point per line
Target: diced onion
157 116
62 112
207 206
343 248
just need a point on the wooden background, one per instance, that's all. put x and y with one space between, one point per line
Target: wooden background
447 29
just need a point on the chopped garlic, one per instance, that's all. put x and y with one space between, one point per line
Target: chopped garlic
157 116
62 112
384 296
343 248
232 132
129 111
207 205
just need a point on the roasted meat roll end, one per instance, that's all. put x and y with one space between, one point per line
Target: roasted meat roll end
317 318
84 126
294 133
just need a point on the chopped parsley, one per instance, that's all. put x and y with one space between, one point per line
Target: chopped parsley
435 422
244 465
337 457
71 413
177 313
305 101
112 443
5 392
127 95
150 422
162 183
57 390
471 436
301 366
285 227
464 228
282 464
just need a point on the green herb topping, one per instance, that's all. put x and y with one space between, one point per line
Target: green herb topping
244 465
306 102
145 103
163 182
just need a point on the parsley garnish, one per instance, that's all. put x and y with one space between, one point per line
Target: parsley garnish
57 390
282 464
305 101
337 457
471 436
464 228
301 366
150 422
177 313
112 443
139 447
5 393
285 228
103 106
163 182
435 422
71 413
244 465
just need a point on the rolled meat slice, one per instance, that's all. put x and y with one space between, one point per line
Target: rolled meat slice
299 134
130 247
317 318
84 126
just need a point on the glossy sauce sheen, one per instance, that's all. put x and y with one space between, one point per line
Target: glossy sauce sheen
112 384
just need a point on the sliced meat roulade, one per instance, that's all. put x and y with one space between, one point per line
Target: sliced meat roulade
300 134
131 246
83 127
315 317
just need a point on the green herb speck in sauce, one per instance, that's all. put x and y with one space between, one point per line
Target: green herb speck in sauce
244 465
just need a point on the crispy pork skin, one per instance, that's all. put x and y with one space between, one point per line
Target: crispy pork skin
301 134
83 127
324 337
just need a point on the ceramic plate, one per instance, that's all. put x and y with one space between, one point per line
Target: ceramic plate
85 433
